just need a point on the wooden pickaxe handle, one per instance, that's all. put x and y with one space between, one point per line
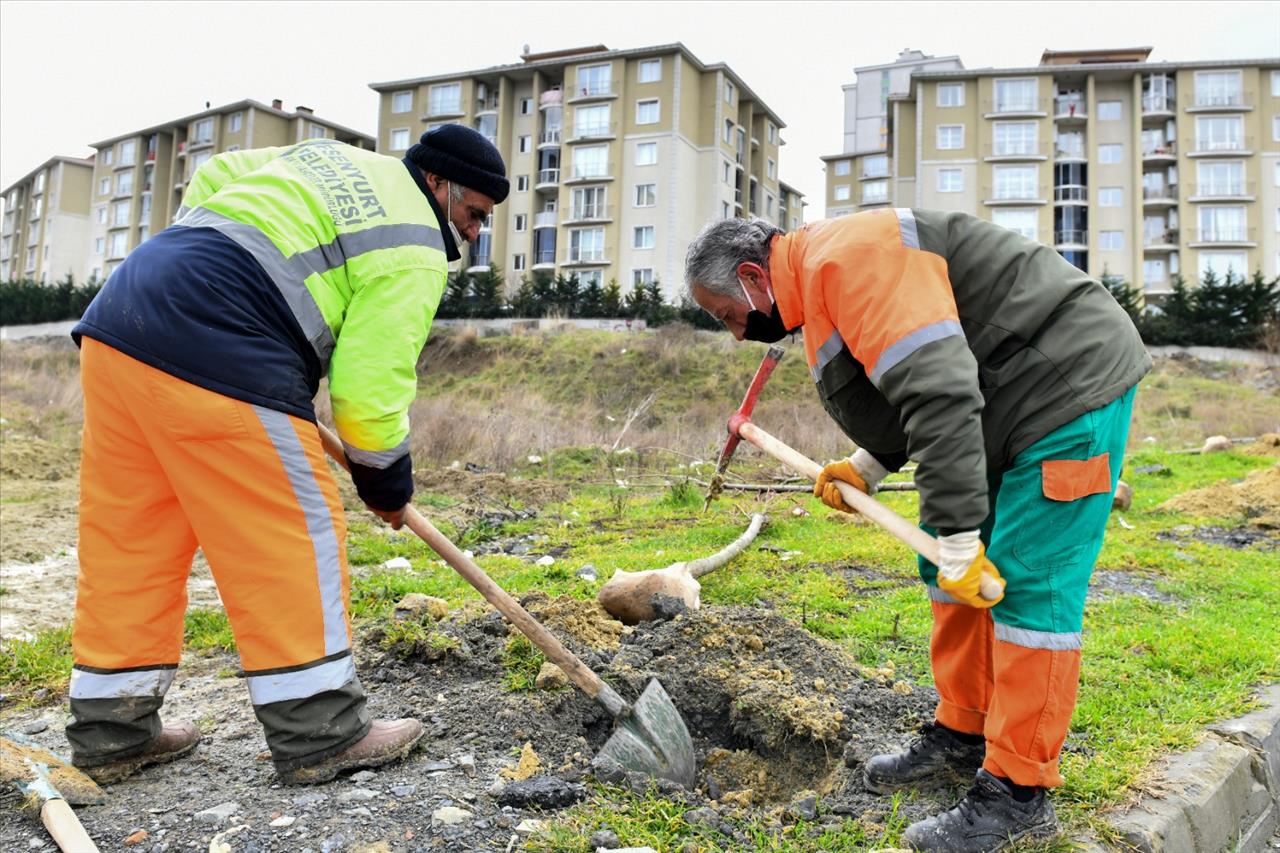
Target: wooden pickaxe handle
574 669
919 541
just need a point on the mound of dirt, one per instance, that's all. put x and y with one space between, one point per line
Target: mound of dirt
1255 500
28 457
481 487
586 621
1266 445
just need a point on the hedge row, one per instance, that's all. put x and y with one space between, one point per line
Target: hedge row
25 301
1221 312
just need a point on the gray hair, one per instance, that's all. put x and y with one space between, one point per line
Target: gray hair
455 192
714 255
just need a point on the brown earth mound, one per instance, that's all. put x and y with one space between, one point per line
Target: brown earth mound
1255 500
1266 445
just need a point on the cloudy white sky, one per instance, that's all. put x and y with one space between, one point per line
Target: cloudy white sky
74 73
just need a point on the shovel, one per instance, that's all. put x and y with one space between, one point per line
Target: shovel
650 736
45 779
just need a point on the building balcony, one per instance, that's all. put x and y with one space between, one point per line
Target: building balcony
593 132
1165 240
1027 107
1071 194
123 165
549 138
1063 153
198 144
1166 196
1238 147
589 213
1220 102
874 199
1166 152
182 149
1070 238
590 172
1158 106
487 105
873 174
1223 236
587 257
436 112
478 261
1222 191
547 179
1015 195
597 91
550 98
151 156
545 219
1067 110
1010 152
544 259
117 195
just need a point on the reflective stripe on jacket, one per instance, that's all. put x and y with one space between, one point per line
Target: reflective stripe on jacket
950 340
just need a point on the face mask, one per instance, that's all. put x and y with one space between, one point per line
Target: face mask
762 327
448 215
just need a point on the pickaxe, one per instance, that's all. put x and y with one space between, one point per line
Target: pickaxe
740 427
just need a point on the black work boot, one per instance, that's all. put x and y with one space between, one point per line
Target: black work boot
937 748
988 818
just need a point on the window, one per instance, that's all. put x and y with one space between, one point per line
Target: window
104 186
1111 241
236 123
102 215
724 210
1222 225
525 144
1275 84
98 245
646 195
595 80
522 183
1218 89
487 126
642 237
1109 111
1022 221
728 130
402 102
521 222
124 183
771 169
517 262
1153 271
444 99
842 192
950 180
1219 133
108 156
875 166
144 234
647 111
590 161
1016 95
1112 152
772 131
199 160
649 71
1223 264
950 137
399 139
1275 128
646 154
526 109
1015 138
587 203
586 244
1110 197
641 276
842 167
120 214
1015 182
591 121
768 204
119 244
728 92
203 132
317 131
728 172
951 94
1275 179
127 152
1222 178
875 192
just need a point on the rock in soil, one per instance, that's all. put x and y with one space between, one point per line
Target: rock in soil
542 792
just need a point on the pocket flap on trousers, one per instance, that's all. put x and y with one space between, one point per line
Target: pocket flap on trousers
1070 479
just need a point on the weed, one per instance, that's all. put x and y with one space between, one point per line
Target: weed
44 661
682 494
522 662
618 501
413 638
208 630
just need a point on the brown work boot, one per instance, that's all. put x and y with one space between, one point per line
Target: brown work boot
385 742
175 740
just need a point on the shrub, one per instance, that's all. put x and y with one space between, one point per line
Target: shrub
27 301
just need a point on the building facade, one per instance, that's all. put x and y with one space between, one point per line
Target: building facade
46 222
616 157
1130 168
139 177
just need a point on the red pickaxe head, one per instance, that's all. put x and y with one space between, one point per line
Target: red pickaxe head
743 415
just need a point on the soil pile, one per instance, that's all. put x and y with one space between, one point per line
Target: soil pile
1255 500
1266 445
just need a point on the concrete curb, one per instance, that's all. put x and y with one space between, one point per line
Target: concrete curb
1222 795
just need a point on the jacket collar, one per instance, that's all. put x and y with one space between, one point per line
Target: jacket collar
450 245
783 276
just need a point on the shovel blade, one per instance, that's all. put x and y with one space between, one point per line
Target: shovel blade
653 739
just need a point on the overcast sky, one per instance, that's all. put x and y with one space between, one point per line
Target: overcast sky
75 73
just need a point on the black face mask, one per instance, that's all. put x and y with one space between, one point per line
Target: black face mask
765 328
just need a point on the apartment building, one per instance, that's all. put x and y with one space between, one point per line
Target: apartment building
139 177
46 222
616 157
1127 167
791 205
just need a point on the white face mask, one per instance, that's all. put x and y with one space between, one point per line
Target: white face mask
453 229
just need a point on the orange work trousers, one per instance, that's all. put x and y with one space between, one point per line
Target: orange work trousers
167 466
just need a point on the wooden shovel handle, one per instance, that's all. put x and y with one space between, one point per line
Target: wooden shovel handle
919 541
65 828
575 669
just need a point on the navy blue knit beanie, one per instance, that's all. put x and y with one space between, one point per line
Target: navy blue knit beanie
458 153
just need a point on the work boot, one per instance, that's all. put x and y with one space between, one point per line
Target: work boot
987 819
935 749
386 741
174 741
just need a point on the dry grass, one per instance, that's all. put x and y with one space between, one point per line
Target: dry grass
40 380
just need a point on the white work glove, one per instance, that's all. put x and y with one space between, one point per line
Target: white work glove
962 561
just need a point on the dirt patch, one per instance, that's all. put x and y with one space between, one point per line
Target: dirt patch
1229 537
586 621
1266 445
1255 500
480 487
1109 584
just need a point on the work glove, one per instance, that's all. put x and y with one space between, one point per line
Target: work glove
962 560
861 470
